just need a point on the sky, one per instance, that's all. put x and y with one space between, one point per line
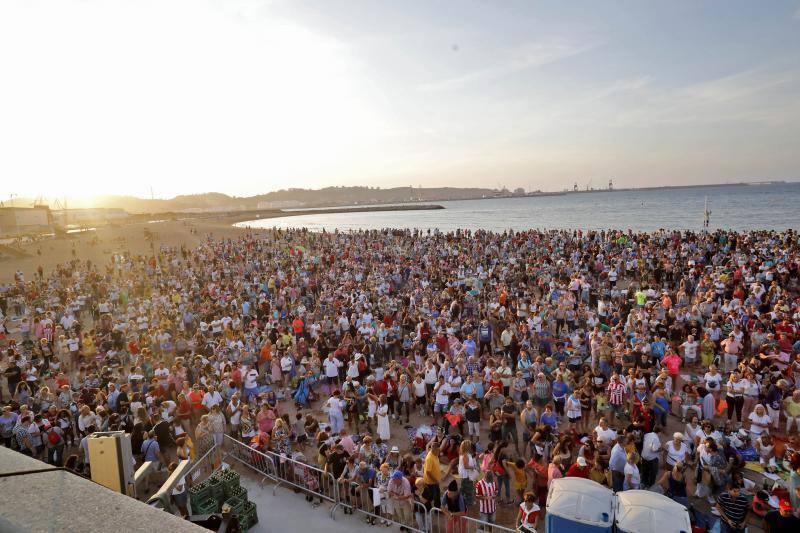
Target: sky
167 97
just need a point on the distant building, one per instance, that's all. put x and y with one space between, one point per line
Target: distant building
25 220
66 217
278 204
519 191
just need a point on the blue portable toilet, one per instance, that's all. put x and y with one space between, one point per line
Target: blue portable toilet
579 505
642 511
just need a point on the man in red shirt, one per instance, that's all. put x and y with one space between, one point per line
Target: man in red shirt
196 400
580 468
298 327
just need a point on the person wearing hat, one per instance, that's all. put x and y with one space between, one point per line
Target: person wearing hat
782 519
401 497
580 468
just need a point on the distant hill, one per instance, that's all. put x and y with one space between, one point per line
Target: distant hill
329 196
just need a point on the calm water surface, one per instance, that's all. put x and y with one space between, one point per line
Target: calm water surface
746 207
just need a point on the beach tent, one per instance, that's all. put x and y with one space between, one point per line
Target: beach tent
642 511
579 505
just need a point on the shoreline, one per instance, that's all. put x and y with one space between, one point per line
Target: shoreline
144 235
266 214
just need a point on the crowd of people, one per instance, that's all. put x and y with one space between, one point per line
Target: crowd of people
464 371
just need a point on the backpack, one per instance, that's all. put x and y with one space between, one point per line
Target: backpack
53 437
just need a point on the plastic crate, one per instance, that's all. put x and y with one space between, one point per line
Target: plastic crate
249 514
236 505
200 491
205 505
245 523
248 521
230 481
238 492
216 488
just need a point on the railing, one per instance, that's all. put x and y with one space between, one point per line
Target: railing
202 467
310 479
210 456
440 522
141 477
377 507
249 457
283 470
316 483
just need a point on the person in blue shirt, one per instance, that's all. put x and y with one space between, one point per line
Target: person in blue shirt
480 391
468 388
485 337
661 407
560 354
658 348
151 450
470 347
545 346
524 365
560 390
548 417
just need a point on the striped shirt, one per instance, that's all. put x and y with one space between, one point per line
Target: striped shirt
616 393
489 490
734 508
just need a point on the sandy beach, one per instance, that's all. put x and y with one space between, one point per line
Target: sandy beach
105 241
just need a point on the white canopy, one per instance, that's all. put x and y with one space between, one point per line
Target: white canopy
581 500
642 511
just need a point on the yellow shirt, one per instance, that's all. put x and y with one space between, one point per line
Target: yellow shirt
520 478
602 402
431 471
792 408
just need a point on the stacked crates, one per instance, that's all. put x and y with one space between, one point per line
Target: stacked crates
248 517
201 499
223 488
217 490
230 481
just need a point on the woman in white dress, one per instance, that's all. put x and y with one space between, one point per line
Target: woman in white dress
383 419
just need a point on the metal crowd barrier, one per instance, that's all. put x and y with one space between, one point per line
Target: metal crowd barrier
261 463
308 479
208 457
378 508
282 470
439 522
316 483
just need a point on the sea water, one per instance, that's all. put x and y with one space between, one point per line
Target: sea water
738 207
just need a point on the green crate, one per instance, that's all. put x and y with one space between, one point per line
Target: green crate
238 492
204 505
230 480
217 489
249 513
245 523
236 505
200 490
